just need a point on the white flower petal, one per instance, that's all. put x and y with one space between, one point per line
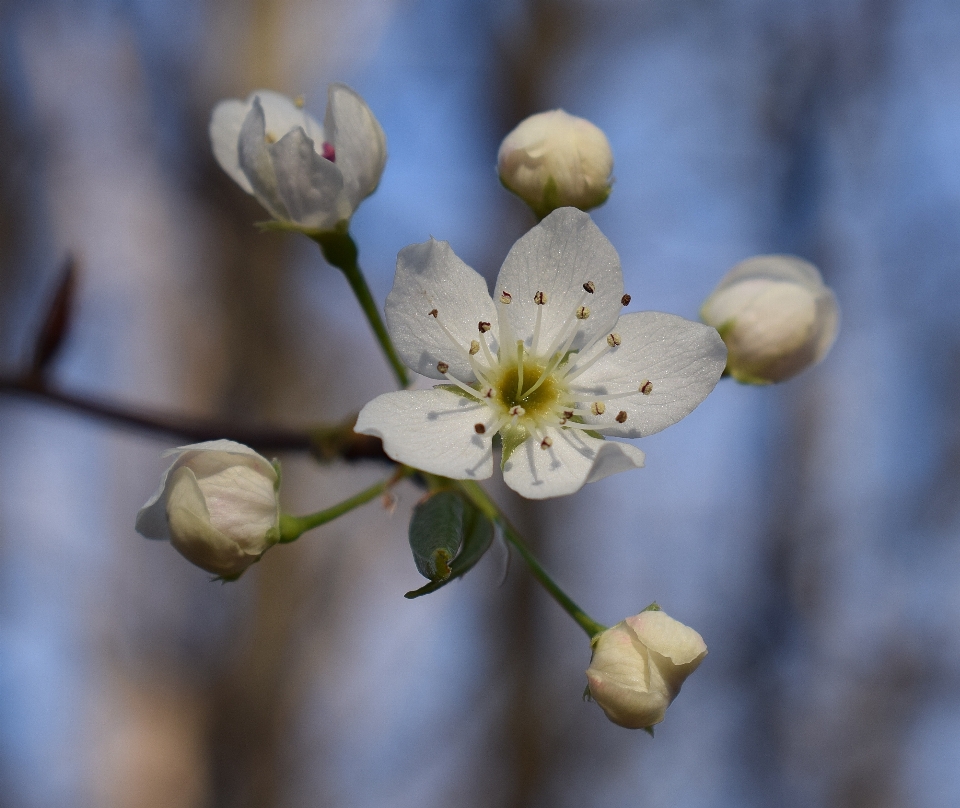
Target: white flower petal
558 256
572 460
682 360
309 185
225 125
256 164
433 430
281 116
242 504
430 276
668 637
358 140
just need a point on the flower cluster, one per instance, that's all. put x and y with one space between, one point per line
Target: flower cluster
550 366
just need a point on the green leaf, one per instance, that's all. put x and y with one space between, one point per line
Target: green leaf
436 533
513 437
477 538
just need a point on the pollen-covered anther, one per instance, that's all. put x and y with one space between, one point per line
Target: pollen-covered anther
540 298
589 287
488 393
299 102
646 387
546 443
505 297
517 411
625 300
474 347
443 367
483 327
479 428
582 313
598 408
269 137
621 416
433 313
613 340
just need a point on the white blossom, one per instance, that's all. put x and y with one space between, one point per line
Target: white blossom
217 504
550 367
554 159
639 665
776 316
304 174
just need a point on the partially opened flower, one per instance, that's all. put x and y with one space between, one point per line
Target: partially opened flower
304 174
551 366
639 665
217 504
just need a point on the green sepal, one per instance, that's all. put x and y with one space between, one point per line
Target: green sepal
653 607
477 538
512 437
578 419
436 533
458 391
649 731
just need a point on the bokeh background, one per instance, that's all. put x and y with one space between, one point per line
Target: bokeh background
809 532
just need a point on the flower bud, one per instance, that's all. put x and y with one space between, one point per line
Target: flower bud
218 506
554 160
776 316
639 665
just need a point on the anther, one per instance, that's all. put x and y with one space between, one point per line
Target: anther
625 300
434 313
646 388
598 408
479 428
582 313
540 298
329 152
517 411
546 443
505 297
443 367
299 102
613 340
589 287
484 327
488 393
621 416
269 137
568 413
474 347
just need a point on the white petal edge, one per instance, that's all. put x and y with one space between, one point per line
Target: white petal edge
358 140
225 124
256 164
557 257
431 276
681 359
282 115
432 430
572 460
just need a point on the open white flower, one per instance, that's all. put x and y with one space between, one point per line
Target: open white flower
217 504
551 366
305 174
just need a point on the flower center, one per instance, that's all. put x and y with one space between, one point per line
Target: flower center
538 397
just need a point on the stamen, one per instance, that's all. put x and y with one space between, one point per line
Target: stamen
578 368
487 355
466 387
269 137
299 102
474 348
582 313
329 153
613 340
483 327
519 367
621 416
589 427
479 428
505 297
598 408
589 287
433 313
646 387
443 367
478 371
546 443
517 412
540 298
625 300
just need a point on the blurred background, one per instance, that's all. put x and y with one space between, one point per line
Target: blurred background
808 531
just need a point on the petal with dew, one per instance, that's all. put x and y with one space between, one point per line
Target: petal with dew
433 430
680 360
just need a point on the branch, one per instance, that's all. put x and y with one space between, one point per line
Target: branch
326 442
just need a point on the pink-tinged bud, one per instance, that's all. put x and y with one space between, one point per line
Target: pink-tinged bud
639 665
554 160
218 506
776 317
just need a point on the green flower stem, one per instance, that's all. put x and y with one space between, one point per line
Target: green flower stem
489 508
340 251
292 527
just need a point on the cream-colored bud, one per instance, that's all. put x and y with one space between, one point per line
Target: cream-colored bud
776 317
639 665
218 506
554 160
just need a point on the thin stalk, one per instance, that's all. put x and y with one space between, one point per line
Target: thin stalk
489 508
340 251
292 527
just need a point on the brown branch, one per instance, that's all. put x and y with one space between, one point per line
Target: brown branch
326 442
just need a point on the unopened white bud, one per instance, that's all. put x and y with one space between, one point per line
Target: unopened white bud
639 665
554 160
776 317
218 506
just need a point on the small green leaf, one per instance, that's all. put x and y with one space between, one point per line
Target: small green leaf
649 731
477 538
513 437
653 607
436 533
